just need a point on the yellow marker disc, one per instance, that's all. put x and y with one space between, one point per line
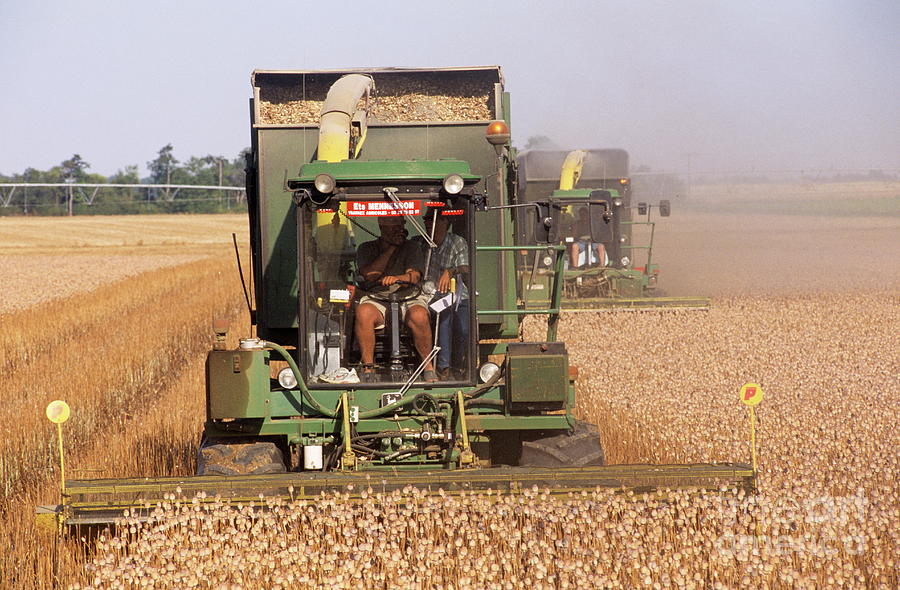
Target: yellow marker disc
58 411
751 394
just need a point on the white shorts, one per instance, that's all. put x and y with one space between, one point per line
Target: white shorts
422 301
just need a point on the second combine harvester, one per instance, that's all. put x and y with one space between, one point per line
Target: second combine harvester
615 273
403 173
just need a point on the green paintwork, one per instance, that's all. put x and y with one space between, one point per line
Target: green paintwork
537 378
283 151
386 170
237 384
581 193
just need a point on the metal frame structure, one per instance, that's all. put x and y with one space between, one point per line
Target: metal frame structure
6 197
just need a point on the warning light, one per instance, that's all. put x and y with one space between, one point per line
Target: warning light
624 181
497 133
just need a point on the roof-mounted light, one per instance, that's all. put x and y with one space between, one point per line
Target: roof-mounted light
324 183
453 184
624 181
497 134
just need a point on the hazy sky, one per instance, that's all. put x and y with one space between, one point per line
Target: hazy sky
730 85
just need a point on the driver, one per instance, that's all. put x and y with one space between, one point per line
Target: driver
389 260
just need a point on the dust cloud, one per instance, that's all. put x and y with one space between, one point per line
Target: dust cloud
718 254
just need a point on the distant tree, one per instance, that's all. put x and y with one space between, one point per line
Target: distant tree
73 169
162 168
127 175
236 174
205 170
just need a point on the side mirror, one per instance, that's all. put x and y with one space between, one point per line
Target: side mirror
546 226
601 222
664 208
642 208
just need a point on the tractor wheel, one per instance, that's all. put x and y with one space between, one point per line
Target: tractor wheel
239 459
579 447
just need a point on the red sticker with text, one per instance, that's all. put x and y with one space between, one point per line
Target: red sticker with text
383 208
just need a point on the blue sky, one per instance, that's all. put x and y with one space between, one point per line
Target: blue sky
735 85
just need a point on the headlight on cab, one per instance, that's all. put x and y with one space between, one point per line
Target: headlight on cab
453 184
324 183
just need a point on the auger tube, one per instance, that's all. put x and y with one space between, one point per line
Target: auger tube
571 169
337 115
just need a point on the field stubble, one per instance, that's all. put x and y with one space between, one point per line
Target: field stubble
662 387
50 258
127 356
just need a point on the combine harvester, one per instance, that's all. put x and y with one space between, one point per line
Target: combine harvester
601 274
326 397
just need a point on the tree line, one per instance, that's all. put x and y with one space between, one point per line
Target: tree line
207 170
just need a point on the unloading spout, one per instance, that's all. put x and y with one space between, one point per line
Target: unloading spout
342 127
571 169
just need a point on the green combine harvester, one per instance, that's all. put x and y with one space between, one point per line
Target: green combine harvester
615 272
387 315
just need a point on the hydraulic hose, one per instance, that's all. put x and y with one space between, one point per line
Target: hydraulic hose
307 396
494 403
407 399
486 386
440 397
374 413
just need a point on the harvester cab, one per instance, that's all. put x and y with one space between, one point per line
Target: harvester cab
421 223
613 273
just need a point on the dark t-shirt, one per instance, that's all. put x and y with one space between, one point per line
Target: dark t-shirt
408 255
583 228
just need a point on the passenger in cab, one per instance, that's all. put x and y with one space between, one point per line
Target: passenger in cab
387 261
449 264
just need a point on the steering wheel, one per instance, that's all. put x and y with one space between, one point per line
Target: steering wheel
399 292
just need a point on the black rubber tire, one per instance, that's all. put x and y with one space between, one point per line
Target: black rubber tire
579 447
239 459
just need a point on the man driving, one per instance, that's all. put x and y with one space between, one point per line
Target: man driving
385 262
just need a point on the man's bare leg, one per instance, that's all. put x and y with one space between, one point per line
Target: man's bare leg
367 318
418 321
